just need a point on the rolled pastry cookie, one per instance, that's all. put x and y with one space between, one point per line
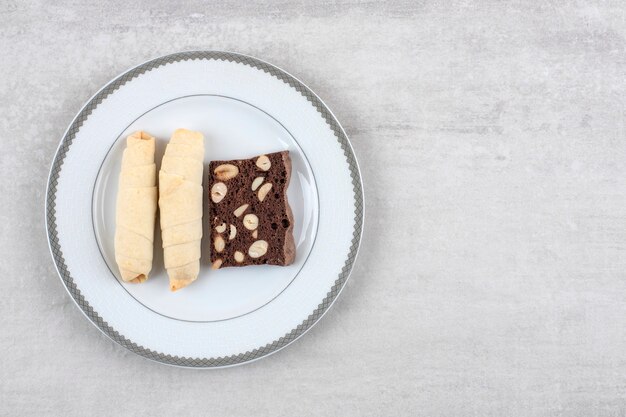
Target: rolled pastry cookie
180 204
136 209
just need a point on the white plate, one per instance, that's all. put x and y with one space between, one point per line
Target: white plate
244 107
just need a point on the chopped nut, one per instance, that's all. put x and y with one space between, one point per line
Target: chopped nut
238 257
250 221
255 234
264 190
233 232
217 264
258 249
219 244
263 163
257 182
218 191
225 172
221 228
240 210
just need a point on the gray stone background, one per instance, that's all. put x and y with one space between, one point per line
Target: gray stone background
491 280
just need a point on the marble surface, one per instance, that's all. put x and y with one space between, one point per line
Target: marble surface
492 276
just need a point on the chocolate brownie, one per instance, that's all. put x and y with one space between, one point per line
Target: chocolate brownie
251 221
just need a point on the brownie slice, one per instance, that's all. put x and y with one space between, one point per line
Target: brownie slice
251 221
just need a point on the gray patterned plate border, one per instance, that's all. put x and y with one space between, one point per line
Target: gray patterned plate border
57 253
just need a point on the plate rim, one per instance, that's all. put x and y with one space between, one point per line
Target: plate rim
261 351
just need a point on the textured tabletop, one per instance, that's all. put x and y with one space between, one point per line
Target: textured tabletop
492 275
